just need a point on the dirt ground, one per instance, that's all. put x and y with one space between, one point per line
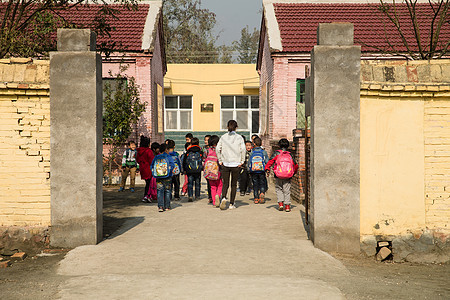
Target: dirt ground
36 277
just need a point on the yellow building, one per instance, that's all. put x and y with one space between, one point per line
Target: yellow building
201 98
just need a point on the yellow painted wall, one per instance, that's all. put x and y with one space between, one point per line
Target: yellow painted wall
206 83
405 147
392 166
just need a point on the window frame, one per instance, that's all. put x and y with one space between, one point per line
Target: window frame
300 97
178 110
249 111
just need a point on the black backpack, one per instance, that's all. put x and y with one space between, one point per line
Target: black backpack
193 162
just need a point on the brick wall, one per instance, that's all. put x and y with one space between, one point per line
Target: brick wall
157 77
299 181
427 81
405 161
24 142
266 77
437 162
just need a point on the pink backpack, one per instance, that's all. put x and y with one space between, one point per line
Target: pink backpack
211 168
284 165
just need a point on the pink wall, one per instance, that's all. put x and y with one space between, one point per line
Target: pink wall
282 71
266 76
148 70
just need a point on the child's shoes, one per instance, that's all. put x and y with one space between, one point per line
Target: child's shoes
281 206
261 198
256 200
121 189
288 208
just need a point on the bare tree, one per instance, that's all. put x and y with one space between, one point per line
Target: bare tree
427 20
27 27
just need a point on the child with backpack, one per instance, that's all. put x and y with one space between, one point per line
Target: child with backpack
245 180
185 183
192 166
129 165
284 167
256 166
145 158
176 171
162 168
211 170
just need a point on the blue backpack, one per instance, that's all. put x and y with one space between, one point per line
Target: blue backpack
257 163
161 168
177 169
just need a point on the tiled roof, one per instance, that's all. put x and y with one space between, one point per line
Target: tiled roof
128 27
298 24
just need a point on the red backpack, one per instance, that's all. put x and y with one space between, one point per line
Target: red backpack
211 168
284 165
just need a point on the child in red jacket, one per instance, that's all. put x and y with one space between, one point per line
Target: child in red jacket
144 158
284 167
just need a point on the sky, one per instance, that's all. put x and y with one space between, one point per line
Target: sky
232 16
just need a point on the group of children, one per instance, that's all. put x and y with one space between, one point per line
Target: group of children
161 167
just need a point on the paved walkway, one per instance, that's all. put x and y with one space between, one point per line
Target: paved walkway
196 251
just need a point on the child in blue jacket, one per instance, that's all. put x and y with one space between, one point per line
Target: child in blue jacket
162 169
256 165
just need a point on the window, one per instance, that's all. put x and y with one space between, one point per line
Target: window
243 109
178 112
301 90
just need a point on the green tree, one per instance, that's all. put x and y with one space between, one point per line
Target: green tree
426 44
247 46
27 27
122 110
188 30
225 54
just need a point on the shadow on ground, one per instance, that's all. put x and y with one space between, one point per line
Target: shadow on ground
115 208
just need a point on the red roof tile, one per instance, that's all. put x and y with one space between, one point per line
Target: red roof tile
127 30
298 24
128 26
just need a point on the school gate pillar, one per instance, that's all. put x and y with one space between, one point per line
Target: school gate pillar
76 140
335 176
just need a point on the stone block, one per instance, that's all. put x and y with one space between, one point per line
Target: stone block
435 73
20 60
76 40
369 246
424 73
19 73
400 74
411 73
383 244
8 73
445 69
30 73
42 73
378 74
19 255
5 263
383 253
335 34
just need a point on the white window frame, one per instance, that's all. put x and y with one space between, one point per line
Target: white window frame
178 110
249 110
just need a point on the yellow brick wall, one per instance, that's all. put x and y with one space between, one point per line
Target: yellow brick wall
24 142
437 163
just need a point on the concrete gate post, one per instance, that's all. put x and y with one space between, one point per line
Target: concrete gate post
335 113
76 140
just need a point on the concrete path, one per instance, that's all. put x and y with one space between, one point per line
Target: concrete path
196 251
